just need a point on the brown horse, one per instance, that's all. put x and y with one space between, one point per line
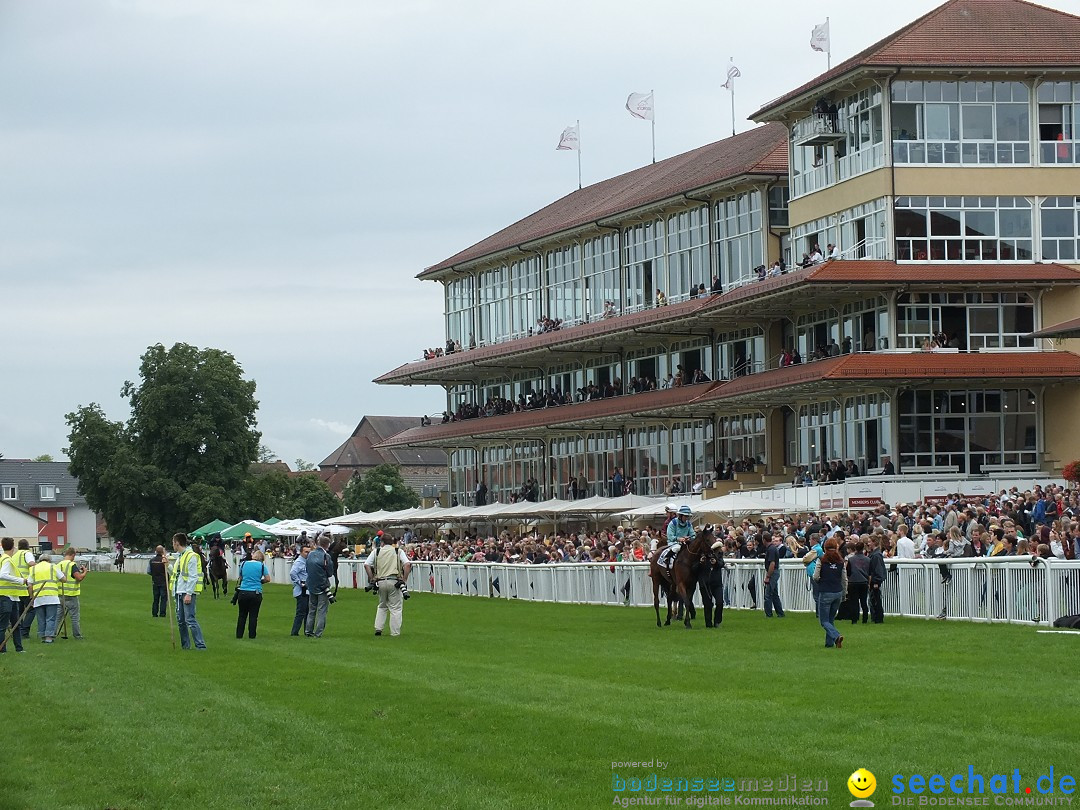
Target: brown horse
678 582
218 570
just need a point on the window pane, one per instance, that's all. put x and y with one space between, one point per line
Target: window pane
978 122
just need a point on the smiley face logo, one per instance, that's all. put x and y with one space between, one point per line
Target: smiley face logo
862 784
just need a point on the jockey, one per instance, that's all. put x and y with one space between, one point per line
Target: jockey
678 530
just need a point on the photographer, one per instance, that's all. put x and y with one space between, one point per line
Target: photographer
298 577
388 568
319 569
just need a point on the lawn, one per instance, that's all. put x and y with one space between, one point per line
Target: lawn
495 704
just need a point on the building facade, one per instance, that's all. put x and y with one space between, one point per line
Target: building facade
658 327
46 490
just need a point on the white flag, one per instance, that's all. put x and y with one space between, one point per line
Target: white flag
640 105
569 139
732 74
819 37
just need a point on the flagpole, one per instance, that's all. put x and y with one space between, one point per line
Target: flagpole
732 100
579 154
652 96
828 51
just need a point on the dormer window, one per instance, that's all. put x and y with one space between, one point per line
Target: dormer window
9 492
47 492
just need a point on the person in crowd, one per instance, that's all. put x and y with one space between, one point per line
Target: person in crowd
249 593
44 582
831 578
877 579
24 561
187 584
319 571
12 589
298 577
388 568
70 590
858 575
156 569
771 595
717 287
661 299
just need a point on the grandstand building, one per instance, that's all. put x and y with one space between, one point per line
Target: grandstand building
941 164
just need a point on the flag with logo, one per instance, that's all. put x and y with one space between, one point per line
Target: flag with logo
819 37
732 74
640 105
569 139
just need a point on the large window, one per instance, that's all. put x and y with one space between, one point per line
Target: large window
1061 228
459 310
860 232
493 295
742 352
739 246
741 436
957 123
688 252
524 296
963 229
1059 122
602 274
863 148
564 287
645 263
962 430
970 321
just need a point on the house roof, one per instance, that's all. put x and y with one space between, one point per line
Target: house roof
779 386
747 302
1065 329
28 476
358 451
28 513
760 151
963 33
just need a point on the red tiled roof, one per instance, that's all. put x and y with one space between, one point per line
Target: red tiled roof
836 272
884 271
850 367
966 33
1065 329
759 151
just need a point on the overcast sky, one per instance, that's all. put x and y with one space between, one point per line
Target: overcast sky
268 176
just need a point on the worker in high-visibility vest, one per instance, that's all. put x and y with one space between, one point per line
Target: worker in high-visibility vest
44 582
12 589
70 588
187 584
23 561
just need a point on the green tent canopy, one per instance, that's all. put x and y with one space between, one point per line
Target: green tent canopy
238 531
210 528
271 521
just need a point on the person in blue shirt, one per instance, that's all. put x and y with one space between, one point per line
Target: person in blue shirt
298 577
678 530
248 594
817 551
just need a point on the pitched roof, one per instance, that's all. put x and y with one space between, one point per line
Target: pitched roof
359 449
965 33
845 372
762 150
28 476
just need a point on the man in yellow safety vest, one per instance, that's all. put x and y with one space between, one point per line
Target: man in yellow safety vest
187 584
44 582
12 589
70 587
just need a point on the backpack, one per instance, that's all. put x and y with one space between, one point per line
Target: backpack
1071 622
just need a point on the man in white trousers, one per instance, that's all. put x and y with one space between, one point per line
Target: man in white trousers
388 567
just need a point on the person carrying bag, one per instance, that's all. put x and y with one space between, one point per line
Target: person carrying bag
248 594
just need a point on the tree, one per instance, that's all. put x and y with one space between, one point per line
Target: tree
266 455
186 447
294 496
304 466
369 493
312 498
43 457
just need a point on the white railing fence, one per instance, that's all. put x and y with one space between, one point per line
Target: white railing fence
1009 589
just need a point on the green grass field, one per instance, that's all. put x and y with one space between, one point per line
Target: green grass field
495 704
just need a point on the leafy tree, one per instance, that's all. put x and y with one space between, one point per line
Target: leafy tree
304 466
42 457
312 498
266 455
369 493
187 445
293 496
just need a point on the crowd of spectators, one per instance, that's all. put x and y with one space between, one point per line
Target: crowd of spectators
552 397
1039 522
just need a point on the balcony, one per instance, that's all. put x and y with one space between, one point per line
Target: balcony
819 129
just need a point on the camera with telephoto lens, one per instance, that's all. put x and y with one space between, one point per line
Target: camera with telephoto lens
372 588
401 586
331 597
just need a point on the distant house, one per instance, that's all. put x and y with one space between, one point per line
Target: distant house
48 491
19 524
422 468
